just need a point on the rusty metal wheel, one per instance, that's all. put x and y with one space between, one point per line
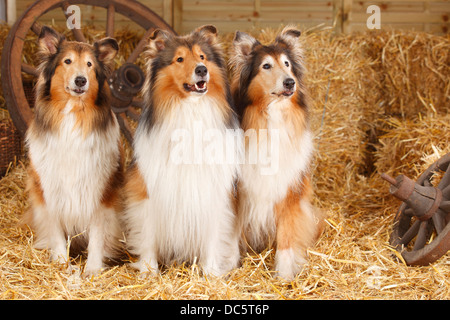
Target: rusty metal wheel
421 229
126 80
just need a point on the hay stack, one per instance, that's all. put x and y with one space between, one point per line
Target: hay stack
414 72
410 146
369 114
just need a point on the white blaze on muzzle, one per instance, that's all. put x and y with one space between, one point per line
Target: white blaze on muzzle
199 79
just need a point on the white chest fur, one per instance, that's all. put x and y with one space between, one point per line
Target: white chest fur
73 168
189 195
267 181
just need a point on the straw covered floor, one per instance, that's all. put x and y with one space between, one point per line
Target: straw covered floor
379 103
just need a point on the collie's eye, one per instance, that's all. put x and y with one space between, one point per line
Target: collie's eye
89 64
286 63
67 61
202 57
266 66
180 59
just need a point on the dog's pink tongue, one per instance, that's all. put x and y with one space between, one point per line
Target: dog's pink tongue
200 85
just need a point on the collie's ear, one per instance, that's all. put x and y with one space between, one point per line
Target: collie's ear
49 40
289 37
207 32
157 42
243 45
106 50
241 50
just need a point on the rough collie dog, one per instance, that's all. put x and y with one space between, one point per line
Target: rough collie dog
75 168
274 202
180 189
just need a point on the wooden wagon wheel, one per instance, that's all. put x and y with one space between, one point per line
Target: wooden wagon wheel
422 225
128 75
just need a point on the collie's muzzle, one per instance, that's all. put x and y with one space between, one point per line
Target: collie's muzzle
78 86
200 79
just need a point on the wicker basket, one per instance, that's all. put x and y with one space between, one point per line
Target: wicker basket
28 88
11 149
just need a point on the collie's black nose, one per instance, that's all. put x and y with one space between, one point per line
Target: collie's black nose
201 71
80 81
289 83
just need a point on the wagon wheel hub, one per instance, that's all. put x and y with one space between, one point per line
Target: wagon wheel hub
422 225
124 83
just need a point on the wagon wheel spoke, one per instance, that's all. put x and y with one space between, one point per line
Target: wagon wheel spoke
110 20
136 102
124 126
446 192
444 184
439 220
445 205
36 28
422 242
77 33
422 236
29 69
133 114
140 46
445 181
410 234
409 212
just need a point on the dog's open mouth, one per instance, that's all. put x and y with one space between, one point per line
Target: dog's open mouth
199 87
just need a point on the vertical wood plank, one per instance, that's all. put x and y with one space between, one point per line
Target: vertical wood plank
346 15
256 13
177 16
426 9
110 15
337 16
11 12
167 11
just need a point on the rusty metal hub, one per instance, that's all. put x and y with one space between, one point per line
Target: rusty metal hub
125 84
422 225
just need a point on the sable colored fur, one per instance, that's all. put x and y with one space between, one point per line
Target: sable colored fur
76 169
180 206
274 205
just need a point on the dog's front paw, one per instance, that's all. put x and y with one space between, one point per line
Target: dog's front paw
288 264
91 272
92 268
58 257
146 269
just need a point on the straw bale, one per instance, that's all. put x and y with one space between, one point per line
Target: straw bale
414 71
410 146
337 112
359 131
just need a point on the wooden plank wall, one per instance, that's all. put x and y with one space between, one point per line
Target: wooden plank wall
430 16
229 15
97 16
